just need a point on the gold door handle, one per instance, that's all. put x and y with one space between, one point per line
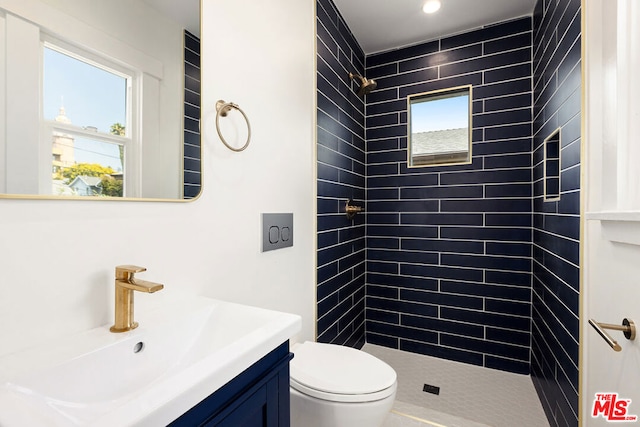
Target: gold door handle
628 328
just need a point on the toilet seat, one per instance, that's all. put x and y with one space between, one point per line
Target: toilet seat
340 374
345 398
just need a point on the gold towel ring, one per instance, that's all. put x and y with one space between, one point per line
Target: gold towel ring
223 109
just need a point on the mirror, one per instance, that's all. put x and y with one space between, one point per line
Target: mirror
440 127
101 99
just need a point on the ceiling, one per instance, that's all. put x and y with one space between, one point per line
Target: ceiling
381 25
184 12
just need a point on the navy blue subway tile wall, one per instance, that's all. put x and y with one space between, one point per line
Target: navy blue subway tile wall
462 262
191 146
449 247
556 225
341 176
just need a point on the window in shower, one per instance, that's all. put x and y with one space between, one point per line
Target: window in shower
552 167
440 127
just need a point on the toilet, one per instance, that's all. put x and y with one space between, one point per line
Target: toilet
336 386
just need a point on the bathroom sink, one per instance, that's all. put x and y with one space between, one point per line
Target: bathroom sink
181 353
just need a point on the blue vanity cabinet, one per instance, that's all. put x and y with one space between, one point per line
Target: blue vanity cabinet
258 397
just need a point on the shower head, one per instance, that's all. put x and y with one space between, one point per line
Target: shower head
366 85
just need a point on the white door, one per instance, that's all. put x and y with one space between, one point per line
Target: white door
610 388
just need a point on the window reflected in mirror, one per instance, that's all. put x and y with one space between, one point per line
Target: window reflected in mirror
85 112
440 127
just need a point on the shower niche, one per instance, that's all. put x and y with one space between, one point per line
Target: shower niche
552 167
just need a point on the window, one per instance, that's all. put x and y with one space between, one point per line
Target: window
86 111
440 127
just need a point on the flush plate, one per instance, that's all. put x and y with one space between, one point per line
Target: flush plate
277 231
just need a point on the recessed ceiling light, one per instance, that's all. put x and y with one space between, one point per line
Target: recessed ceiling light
431 6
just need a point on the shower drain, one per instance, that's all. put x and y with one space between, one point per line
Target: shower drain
428 388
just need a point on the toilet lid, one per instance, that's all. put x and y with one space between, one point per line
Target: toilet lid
335 369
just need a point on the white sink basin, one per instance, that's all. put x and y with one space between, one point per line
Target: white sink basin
180 354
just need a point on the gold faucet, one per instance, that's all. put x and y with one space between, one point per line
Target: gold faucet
125 285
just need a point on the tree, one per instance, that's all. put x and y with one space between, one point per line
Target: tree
111 186
120 130
87 169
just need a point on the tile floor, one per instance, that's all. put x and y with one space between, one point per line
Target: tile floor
470 396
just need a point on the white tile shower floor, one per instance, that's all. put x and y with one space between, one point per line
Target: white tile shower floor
470 396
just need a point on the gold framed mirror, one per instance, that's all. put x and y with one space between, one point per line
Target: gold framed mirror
102 99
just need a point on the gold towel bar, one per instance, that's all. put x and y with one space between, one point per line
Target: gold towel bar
222 109
627 327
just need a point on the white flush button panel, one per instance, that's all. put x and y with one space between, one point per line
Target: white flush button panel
277 231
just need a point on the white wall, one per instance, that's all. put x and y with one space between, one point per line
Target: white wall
57 258
612 202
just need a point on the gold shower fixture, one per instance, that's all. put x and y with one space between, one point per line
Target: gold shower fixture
352 210
366 85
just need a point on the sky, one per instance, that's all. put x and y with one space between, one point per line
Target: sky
440 114
91 97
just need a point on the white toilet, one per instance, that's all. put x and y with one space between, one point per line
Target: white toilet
336 386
